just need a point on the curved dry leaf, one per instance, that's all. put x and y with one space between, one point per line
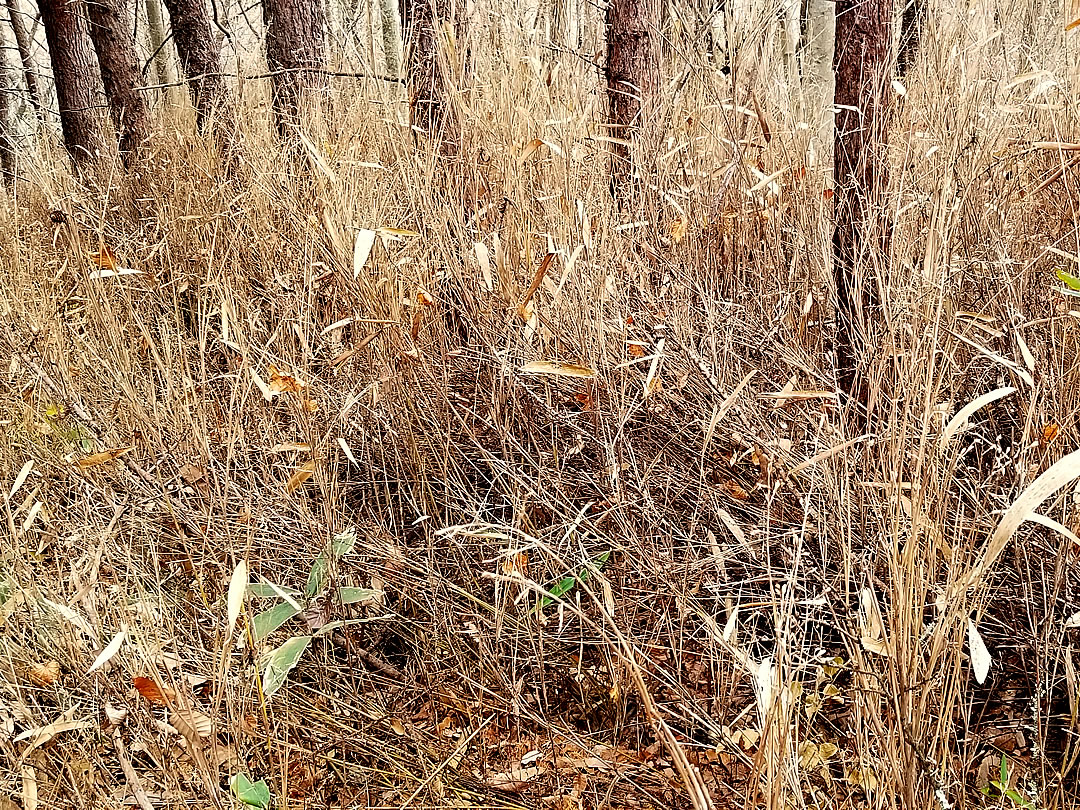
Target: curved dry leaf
1053 525
966 412
237 588
192 723
365 241
980 656
515 780
20 479
104 457
44 674
557 369
148 688
297 479
111 649
1058 475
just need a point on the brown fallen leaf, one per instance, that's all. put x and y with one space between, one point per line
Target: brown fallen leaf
104 258
280 382
44 674
514 780
297 479
149 689
557 369
103 457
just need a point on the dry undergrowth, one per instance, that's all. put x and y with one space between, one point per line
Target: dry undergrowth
777 593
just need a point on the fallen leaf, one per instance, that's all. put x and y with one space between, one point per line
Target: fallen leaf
104 258
114 716
44 674
733 489
237 588
557 369
980 656
286 447
148 688
1050 432
297 479
515 780
365 241
192 723
635 350
678 229
103 457
280 382
111 649
20 479
397 727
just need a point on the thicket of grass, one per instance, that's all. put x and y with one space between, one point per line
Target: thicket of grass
781 608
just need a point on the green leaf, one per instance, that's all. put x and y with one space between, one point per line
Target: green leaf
1004 770
341 545
280 662
255 794
566 584
350 596
268 590
270 620
1068 279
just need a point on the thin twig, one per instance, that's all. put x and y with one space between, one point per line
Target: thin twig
129 772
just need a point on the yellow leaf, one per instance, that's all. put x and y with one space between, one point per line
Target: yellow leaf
396 232
557 369
678 229
103 457
297 479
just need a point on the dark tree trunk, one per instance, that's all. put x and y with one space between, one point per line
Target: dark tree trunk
200 58
429 73
296 56
112 28
861 235
912 23
22 42
79 93
633 79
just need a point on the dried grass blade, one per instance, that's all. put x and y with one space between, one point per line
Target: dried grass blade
968 410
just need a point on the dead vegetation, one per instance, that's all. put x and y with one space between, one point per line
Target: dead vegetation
508 389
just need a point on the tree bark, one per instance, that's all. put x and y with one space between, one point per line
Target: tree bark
79 93
200 59
430 67
911 30
390 28
112 29
158 47
22 42
633 79
8 84
861 232
295 55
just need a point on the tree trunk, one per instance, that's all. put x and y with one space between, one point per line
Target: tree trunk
911 30
633 80
8 84
158 47
200 59
23 43
861 229
295 54
430 67
390 27
112 28
79 94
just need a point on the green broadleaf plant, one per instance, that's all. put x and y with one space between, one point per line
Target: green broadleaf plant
566 584
253 794
280 661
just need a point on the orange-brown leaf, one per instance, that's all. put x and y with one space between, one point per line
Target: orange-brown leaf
1050 432
105 456
284 382
678 229
44 674
635 350
104 258
736 491
297 479
150 691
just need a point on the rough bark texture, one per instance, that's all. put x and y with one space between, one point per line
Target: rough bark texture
158 47
8 85
390 28
112 29
911 29
22 42
430 68
79 93
861 236
633 78
296 56
200 59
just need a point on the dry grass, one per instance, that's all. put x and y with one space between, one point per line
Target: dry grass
765 607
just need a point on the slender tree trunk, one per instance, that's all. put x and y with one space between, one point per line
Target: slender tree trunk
861 235
633 80
112 28
295 54
22 42
912 23
79 93
8 85
200 58
158 47
431 61
390 27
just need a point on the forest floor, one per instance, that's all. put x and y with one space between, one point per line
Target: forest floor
367 477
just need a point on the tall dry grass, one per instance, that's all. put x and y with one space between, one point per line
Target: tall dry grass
781 606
